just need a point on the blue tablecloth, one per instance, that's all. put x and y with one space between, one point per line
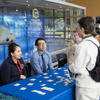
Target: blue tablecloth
52 85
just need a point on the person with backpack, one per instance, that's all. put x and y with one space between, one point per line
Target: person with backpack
84 60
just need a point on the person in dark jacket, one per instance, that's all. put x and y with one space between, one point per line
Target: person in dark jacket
12 69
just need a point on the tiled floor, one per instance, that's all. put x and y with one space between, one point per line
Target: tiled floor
7 97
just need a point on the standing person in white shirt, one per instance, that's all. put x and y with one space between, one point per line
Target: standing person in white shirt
85 57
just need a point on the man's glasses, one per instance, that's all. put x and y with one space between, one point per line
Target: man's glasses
42 43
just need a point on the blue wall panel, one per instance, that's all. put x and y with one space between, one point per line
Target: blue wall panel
27 30
1 54
5 51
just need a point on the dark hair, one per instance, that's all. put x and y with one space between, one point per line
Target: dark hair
95 34
12 48
36 41
87 23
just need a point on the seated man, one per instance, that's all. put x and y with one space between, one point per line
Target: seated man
40 59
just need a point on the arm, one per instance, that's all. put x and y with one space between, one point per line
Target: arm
71 54
6 74
23 70
35 65
81 59
50 65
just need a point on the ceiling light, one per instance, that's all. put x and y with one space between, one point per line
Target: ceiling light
28 4
27 1
16 9
46 4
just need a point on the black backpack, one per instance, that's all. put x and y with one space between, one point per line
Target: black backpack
95 72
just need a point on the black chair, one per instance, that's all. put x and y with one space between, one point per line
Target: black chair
28 69
62 59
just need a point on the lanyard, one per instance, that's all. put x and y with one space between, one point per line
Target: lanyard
20 68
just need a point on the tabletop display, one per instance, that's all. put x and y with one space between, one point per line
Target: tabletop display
52 85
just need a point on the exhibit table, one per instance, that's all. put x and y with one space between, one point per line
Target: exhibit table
52 85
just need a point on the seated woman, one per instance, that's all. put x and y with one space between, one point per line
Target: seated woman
12 68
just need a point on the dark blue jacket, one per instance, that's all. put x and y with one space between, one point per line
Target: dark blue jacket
9 71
